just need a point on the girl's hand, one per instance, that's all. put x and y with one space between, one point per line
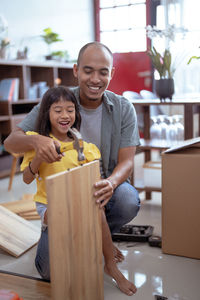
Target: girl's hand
105 189
45 148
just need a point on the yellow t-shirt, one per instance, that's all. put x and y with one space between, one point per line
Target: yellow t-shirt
69 161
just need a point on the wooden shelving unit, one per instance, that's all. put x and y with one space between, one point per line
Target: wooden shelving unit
11 113
191 107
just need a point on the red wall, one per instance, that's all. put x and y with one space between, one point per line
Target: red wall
127 66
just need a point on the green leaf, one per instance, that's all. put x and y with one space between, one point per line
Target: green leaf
50 37
191 58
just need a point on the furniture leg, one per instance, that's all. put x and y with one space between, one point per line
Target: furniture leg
12 173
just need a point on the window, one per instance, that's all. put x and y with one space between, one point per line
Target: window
122 25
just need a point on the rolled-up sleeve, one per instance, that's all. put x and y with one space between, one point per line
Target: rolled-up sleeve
129 127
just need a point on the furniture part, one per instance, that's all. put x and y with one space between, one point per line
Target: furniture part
28 72
191 107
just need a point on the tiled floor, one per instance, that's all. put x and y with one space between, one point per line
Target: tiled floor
153 272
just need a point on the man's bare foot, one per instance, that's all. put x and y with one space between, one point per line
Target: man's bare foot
119 257
123 284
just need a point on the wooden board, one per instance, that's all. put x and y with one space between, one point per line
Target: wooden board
22 205
75 237
16 234
26 288
30 215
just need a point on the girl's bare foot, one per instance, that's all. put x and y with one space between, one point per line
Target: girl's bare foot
119 257
123 284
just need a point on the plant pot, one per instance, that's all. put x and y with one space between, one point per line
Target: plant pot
49 57
165 88
3 53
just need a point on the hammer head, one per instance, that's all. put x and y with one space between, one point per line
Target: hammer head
78 143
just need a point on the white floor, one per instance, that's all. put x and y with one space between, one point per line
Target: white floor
153 272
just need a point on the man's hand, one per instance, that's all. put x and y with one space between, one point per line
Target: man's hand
45 148
104 191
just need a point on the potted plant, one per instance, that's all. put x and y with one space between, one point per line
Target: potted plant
163 64
4 44
49 38
60 55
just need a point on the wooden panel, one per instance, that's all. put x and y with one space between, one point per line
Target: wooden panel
75 234
16 234
42 74
188 121
26 204
4 108
16 120
26 288
5 127
67 77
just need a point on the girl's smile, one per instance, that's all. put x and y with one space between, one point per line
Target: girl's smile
62 117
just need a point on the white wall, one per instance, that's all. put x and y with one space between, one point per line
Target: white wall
72 19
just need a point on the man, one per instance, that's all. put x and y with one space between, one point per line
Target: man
109 121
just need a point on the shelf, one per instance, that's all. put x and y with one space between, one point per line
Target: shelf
46 63
157 144
139 185
175 101
191 106
26 101
4 118
28 72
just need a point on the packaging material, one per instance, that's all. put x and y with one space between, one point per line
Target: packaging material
152 174
181 199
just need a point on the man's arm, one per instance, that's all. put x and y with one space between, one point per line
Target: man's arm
19 142
121 172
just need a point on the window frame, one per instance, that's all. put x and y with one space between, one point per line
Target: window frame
150 17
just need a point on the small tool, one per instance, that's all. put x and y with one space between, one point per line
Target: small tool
155 241
159 297
78 144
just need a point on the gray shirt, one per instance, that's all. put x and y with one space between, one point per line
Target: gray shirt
91 125
119 127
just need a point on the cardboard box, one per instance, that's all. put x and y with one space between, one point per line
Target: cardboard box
181 199
152 174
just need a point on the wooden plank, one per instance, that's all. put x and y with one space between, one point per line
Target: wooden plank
30 215
26 288
16 234
75 237
23 205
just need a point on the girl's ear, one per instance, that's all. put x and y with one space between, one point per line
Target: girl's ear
75 70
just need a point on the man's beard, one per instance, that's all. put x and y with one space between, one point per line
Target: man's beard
93 99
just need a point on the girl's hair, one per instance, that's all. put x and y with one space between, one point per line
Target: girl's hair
53 95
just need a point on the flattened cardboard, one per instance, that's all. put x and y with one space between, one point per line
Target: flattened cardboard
181 200
192 143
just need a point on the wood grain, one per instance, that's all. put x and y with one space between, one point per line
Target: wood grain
16 234
75 237
23 205
28 289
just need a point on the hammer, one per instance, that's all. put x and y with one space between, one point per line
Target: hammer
78 144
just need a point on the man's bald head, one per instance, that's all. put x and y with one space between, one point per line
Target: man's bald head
93 44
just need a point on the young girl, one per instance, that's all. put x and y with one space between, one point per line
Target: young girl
59 111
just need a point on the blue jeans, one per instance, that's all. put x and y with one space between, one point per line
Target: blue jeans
121 209
42 256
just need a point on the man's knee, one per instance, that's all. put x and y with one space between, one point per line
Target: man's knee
127 197
122 207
